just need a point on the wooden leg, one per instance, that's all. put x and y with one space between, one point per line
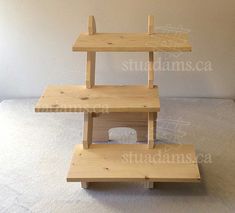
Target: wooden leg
152 116
151 70
87 137
87 130
148 185
90 70
84 185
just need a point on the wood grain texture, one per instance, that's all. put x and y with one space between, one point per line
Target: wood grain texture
90 69
151 70
151 129
85 185
91 25
135 120
122 162
73 98
150 24
91 56
87 130
151 54
148 185
133 42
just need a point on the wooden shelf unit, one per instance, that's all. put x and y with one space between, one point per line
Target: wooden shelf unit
107 107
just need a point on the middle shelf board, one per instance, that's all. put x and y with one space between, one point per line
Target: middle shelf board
133 42
101 98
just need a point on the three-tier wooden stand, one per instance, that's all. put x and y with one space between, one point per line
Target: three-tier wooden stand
136 107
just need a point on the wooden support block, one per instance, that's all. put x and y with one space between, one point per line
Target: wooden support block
87 130
151 139
151 54
87 137
102 123
90 69
148 185
84 185
151 70
150 24
91 25
151 129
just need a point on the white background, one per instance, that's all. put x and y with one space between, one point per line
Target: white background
36 39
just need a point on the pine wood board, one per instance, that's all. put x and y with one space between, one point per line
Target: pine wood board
133 42
105 99
112 163
102 123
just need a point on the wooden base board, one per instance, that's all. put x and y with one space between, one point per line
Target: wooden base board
134 163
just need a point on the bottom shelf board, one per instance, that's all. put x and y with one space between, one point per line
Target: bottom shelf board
134 162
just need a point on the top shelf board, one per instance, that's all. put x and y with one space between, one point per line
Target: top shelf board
133 42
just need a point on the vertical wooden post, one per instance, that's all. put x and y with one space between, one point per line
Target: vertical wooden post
151 115
91 56
148 185
87 130
90 82
151 129
151 54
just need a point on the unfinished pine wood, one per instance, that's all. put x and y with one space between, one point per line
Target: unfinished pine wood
151 129
133 42
151 70
91 25
91 56
148 185
151 54
87 130
134 162
85 185
90 69
135 120
74 98
150 25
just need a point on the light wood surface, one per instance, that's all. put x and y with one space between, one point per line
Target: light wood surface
151 54
122 162
73 98
133 42
150 24
148 185
90 69
151 70
135 120
91 25
85 185
91 56
151 129
87 130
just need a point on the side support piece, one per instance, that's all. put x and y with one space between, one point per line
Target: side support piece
90 82
151 116
151 54
91 56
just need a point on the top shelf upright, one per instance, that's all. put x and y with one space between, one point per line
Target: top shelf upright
133 42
